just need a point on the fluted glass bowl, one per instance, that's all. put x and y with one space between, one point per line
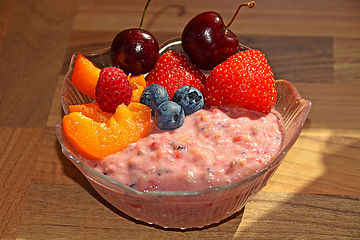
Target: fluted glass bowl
183 209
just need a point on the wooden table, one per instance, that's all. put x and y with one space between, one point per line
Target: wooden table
315 194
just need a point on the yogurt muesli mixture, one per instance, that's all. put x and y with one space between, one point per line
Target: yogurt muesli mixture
214 147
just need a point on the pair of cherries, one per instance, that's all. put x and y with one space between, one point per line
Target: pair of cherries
205 39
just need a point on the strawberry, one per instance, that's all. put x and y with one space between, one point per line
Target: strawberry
112 89
244 79
173 70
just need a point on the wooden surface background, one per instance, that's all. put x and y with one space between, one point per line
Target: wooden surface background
315 194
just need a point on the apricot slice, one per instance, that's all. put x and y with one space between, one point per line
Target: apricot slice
91 110
85 76
136 81
96 140
138 84
136 95
140 115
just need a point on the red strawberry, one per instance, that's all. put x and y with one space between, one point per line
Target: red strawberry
172 71
112 89
244 79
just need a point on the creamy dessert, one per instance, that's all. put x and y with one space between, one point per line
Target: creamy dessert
214 147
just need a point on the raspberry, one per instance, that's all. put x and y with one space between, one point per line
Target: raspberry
112 89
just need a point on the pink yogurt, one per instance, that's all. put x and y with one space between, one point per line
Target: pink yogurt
214 147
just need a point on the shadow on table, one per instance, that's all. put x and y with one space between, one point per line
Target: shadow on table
308 214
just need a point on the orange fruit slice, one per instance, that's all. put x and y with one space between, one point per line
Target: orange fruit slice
136 95
138 84
142 117
136 81
96 140
85 76
91 110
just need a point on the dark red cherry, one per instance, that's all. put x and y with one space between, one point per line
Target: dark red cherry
207 41
135 51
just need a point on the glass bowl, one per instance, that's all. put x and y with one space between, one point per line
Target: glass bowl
183 209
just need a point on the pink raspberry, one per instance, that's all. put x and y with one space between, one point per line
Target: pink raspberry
112 89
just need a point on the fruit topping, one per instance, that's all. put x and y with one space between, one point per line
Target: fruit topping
112 89
138 84
91 110
169 115
135 50
207 41
85 76
189 98
173 70
153 96
245 79
96 140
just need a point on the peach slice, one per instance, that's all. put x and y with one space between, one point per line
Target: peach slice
91 110
96 140
138 84
85 76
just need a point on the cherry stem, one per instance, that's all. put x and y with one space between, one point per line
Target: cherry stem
143 13
248 4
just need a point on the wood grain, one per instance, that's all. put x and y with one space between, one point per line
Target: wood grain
300 18
18 153
56 111
334 106
62 211
297 59
319 164
34 63
300 216
7 9
52 166
68 211
346 60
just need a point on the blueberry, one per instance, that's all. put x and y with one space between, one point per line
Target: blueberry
153 95
169 115
189 98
